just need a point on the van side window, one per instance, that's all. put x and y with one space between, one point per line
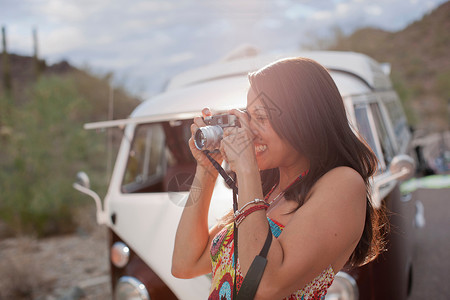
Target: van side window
398 119
383 135
159 159
146 159
364 127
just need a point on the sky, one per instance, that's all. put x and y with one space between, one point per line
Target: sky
146 42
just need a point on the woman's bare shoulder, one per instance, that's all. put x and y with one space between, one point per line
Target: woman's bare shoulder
334 212
343 172
341 180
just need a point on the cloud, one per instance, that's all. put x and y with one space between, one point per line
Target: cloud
299 11
144 7
322 15
61 11
180 57
342 8
61 40
373 10
16 41
155 39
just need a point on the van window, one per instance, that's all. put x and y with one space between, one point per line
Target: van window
385 141
398 119
364 128
158 154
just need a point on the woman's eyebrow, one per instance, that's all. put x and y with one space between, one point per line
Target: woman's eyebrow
260 110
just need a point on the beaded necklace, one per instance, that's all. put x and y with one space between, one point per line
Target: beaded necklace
283 191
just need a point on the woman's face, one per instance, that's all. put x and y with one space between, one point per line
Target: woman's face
271 150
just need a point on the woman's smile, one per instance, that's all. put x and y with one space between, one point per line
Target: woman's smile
260 148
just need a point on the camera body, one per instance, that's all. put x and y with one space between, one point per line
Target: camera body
209 137
224 120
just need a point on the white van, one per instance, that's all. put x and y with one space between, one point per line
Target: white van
154 171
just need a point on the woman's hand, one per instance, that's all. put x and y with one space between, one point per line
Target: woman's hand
237 145
200 157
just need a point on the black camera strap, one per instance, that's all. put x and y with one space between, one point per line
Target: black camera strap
253 278
255 272
228 180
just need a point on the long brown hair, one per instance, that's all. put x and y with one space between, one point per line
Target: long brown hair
307 110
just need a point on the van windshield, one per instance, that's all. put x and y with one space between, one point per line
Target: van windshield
159 159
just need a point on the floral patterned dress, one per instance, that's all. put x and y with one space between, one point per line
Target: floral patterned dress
222 248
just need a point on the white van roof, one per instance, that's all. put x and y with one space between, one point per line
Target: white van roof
358 64
223 85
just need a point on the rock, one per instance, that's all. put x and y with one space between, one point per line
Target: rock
74 293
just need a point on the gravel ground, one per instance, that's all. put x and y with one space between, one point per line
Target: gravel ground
56 267
52 268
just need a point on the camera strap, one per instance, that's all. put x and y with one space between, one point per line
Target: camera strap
253 278
228 180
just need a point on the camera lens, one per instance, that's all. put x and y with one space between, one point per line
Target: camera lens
208 137
199 139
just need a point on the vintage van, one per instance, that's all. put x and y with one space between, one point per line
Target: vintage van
154 171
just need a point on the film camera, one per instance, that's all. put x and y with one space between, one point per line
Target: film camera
209 137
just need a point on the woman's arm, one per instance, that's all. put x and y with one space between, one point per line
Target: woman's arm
191 251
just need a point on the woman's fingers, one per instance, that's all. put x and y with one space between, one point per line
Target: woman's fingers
236 139
206 112
244 119
237 148
227 131
199 121
194 128
222 152
242 116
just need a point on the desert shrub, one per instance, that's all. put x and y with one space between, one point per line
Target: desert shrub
442 85
42 155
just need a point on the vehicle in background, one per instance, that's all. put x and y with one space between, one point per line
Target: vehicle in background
154 172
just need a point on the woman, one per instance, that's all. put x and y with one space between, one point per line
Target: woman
296 151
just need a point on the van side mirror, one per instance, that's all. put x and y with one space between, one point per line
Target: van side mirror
402 167
82 185
83 180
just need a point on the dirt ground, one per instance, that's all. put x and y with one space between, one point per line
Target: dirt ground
63 267
57 268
